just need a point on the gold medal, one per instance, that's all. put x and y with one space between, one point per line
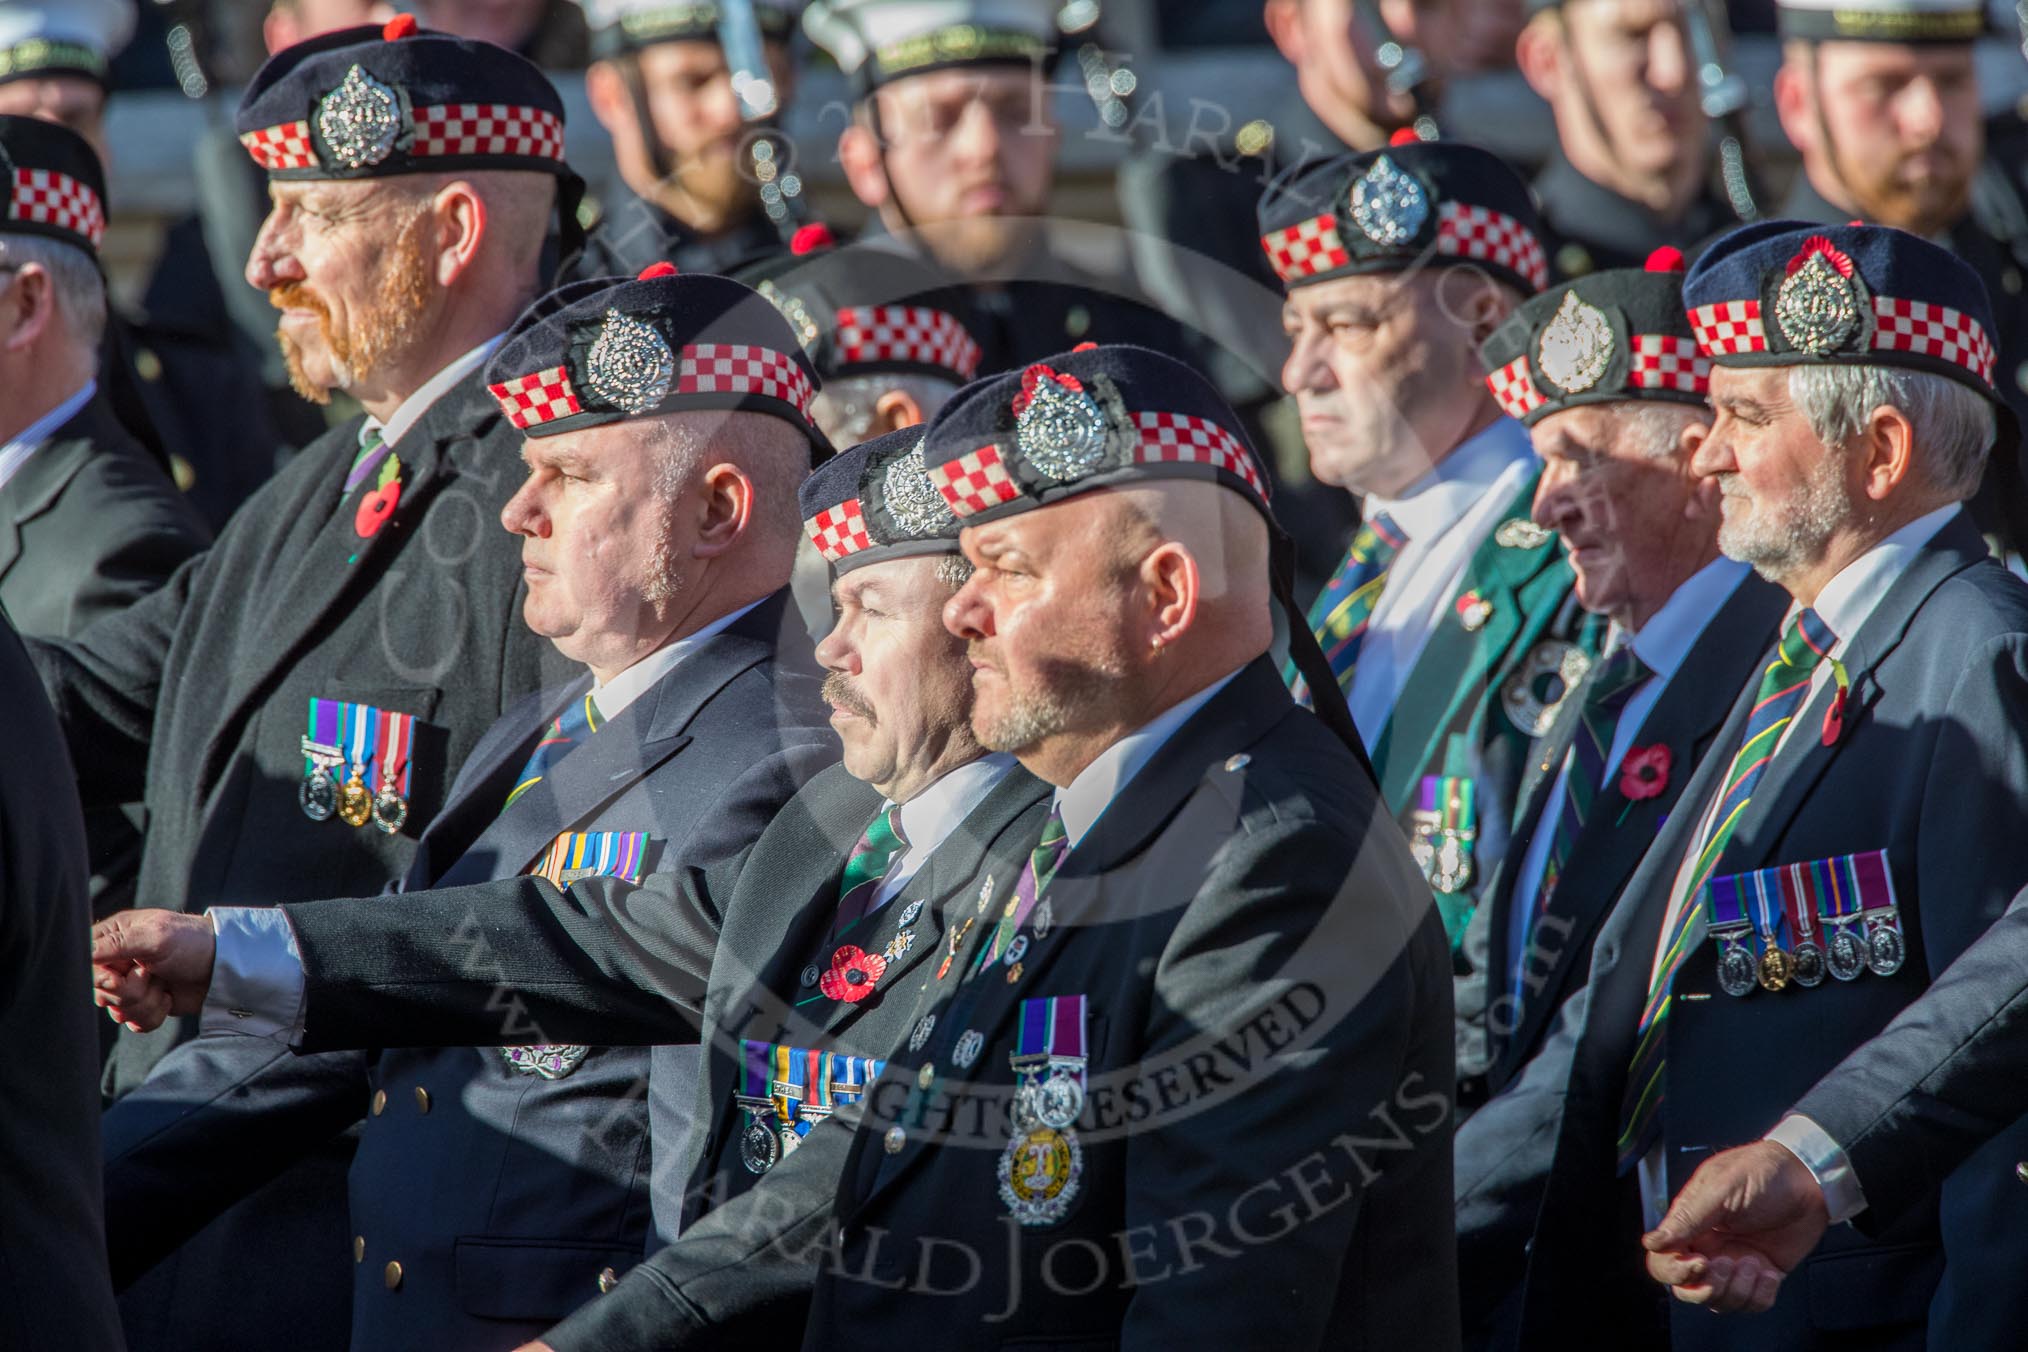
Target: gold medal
355 804
1774 970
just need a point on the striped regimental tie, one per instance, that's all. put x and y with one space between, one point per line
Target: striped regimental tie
579 720
880 845
1343 610
1043 862
1783 686
1598 721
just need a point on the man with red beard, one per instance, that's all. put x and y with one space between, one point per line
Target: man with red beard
1881 100
291 707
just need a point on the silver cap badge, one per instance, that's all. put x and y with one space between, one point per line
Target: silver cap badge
912 500
1817 306
1389 206
1060 429
359 120
630 366
1576 346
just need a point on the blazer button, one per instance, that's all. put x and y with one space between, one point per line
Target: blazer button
895 1139
608 1279
393 1276
2021 1171
359 1248
810 975
379 1102
926 1077
422 1099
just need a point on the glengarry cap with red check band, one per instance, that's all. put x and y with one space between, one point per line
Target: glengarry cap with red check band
862 311
1788 293
603 350
874 503
1111 416
1415 204
374 101
55 187
1600 339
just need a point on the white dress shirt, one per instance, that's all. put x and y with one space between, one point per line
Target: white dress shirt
1085 799
1446 515
1663 643
929 818
1846 602
16 452
409 410
257 970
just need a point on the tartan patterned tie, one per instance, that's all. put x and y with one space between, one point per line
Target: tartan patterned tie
1043 862
578 720
1783 686
1598 720
1344 608
879 846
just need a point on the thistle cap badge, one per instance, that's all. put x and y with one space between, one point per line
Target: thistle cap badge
1576 346
630 366
359 120
1389 206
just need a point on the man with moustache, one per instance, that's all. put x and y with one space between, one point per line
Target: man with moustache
1215 866
1631 171
1604 372
1853 829
1881 100
660 86
291 707
658 529
1449 624
952 147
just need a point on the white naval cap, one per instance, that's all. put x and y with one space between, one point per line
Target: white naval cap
1900 21
876 41
40 38
620 26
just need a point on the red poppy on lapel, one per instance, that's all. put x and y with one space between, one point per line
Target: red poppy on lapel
1834 718
1645 772
853 975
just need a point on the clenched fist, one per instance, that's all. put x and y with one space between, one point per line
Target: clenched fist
148 965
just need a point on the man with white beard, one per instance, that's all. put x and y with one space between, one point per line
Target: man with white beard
1856 825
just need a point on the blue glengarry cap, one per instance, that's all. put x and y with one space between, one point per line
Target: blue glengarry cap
874 503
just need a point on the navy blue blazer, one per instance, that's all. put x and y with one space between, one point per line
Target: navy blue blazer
486 1202
1932 768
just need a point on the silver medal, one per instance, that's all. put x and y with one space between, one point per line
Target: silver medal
1737 972
390 811
1885 950
630 366
1806 964
1059 1099
1847 956
359 120
758 1148
318 795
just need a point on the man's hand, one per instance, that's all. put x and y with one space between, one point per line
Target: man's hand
147 965
1740 1225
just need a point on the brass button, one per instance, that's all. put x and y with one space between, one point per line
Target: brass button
2021 1171
379 1102
422 1099
394 1276
608 1279
359 1248
895 1139
926 1077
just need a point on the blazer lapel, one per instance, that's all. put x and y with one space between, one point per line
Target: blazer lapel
46 473
1803 757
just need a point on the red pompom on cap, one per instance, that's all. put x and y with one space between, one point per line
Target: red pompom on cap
400 26
1404 136
810 238
1668 258
654 270
1085 347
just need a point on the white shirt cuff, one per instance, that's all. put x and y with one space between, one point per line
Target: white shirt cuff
256 975
1826 1161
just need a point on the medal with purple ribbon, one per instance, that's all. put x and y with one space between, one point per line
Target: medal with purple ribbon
1726 922
1049 1057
